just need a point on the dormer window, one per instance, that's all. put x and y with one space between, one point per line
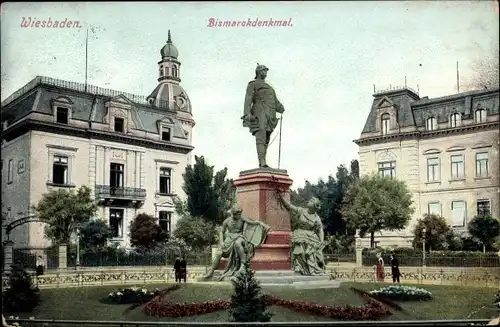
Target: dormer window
165 134
480 116
385 122
62 115
175 71
431 124
119 125
455 120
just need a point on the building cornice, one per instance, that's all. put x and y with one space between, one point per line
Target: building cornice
58 129
426 134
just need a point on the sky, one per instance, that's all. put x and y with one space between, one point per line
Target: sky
323 67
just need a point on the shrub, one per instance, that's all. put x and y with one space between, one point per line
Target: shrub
133 295
403 293
247 302
497 300
21 295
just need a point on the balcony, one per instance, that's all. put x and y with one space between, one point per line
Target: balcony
121 196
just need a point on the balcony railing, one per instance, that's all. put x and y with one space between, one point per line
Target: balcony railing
106 191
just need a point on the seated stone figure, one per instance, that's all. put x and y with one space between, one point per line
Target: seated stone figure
239 236
307 237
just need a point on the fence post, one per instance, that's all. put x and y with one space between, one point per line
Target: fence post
8 254
63 259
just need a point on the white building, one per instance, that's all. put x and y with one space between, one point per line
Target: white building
446 149
130 150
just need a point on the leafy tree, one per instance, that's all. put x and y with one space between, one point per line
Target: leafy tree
485 70
247 302
145 233
437 232
208 196
64 210
22 295
94 235
376 203
485 228
196 232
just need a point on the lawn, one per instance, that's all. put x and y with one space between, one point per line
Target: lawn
450 302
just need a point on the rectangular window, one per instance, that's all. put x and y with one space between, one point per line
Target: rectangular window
119 125
458 214
165 181
62 115
433 169
482 164
387 169
434 208
116 222
483 207
60 170
165 221
10 171
165 134
457 166
116 179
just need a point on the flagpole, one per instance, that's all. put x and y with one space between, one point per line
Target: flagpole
86 57
279 146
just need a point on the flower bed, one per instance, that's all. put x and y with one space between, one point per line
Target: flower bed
132 295
371 311
403 293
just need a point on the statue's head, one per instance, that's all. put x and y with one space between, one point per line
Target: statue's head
313 205
236 210
261 72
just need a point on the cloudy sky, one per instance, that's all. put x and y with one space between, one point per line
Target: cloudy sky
323 67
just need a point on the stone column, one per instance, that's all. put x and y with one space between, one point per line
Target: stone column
8 254
63 256
359 250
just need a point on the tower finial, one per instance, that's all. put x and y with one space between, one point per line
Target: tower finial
169 37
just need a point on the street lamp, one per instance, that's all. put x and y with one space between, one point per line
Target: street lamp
423 246
77 247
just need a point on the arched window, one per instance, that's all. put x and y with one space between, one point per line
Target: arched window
431 124
385 123
480 116
455 120
175 72
161 71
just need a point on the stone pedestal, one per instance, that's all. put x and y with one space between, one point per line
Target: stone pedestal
255 190
8 255
63 256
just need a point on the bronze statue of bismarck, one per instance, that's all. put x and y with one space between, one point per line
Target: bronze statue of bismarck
261 106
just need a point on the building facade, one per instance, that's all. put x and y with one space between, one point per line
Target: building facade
446 149
130 150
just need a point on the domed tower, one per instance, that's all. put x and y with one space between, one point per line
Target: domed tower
169 95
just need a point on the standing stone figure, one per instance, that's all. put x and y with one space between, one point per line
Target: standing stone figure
239 236
259 115
307 237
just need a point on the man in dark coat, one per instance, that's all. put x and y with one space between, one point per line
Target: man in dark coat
177 269
395 268
183 265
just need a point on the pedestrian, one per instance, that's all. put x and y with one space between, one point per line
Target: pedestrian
183 266
177 269
380 268
395 269
39 266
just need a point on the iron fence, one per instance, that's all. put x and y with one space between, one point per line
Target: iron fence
57 323
337 257
486 261
29 258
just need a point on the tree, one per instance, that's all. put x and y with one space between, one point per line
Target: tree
64 210
376 203
437 232
21 295
145 233
485 228
196 232
95 234
486 72
208 196
247 302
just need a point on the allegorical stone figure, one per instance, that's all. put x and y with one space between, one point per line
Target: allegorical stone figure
307 237
239 236
259 115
